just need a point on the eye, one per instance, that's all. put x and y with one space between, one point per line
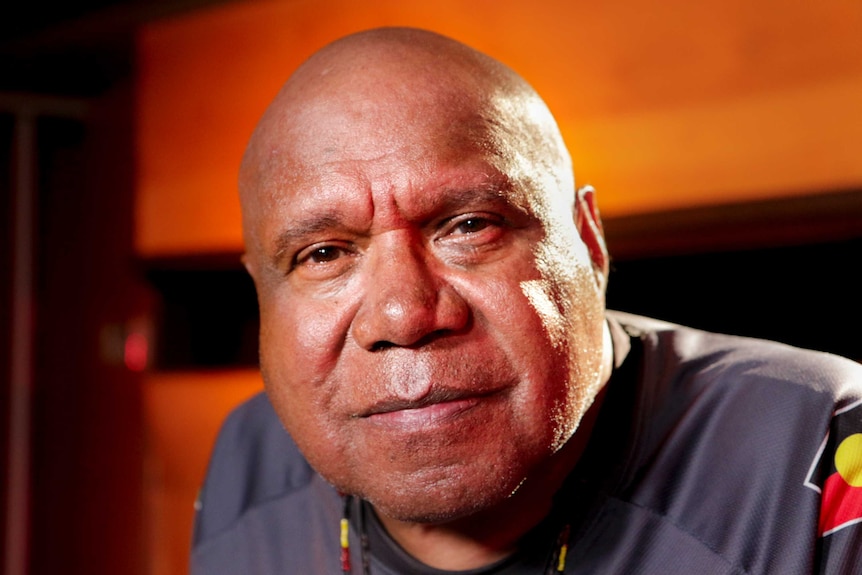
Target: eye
472 237
471 225
321 255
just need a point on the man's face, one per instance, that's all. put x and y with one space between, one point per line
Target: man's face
430 319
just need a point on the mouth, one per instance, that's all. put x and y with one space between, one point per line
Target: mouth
437 408
424 417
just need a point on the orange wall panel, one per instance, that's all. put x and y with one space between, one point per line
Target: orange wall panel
182 414
801 140
664 105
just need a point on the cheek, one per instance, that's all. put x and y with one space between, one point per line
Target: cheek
300 342
302 334
550 326
503 309
508 317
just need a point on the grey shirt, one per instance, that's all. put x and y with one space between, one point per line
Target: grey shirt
709 456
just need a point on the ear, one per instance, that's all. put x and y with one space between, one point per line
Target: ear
249 266
589 225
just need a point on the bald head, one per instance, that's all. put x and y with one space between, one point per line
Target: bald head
383 81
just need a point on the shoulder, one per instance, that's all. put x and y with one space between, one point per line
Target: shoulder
254 461
730 440
758 408
703 361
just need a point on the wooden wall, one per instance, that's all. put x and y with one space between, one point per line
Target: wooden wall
663 104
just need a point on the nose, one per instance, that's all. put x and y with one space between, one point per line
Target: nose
406 300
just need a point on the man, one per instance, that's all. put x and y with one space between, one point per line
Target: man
434 341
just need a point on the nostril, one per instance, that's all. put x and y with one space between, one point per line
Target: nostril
381 345
420 342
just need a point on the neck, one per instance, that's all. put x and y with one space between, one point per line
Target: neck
486 537
491 535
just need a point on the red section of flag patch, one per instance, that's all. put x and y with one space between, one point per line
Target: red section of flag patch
836 472
841 505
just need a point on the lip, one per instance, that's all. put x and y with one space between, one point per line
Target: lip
423 416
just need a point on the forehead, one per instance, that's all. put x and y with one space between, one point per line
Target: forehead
325 140
337 139
366 124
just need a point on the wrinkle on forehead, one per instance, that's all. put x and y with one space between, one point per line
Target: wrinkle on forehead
379 84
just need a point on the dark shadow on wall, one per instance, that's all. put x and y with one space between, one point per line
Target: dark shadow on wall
809 295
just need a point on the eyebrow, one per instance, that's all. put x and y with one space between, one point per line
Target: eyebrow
308 227
455 197
490 191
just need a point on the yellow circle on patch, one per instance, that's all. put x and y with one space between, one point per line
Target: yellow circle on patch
848 460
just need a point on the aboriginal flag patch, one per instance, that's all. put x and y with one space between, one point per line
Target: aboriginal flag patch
836 472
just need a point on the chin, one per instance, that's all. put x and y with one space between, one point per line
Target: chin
434 510
440 499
